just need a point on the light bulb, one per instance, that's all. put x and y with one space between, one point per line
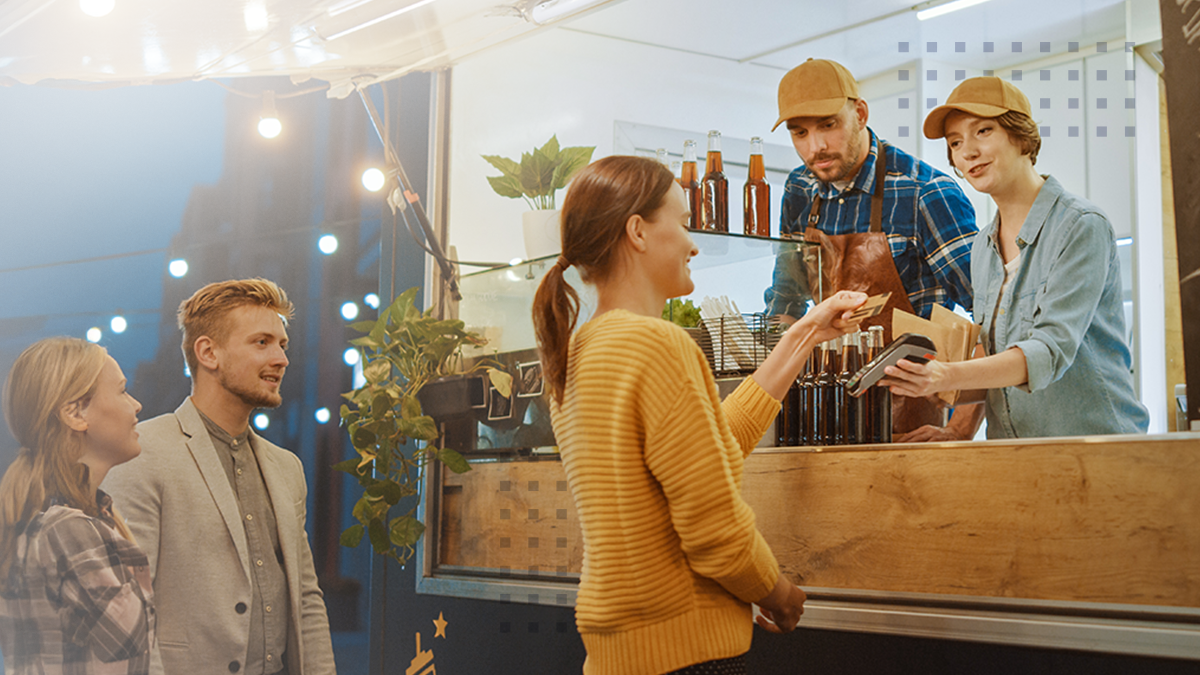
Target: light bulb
94 334
350 356
269 127
371 300
97 8
178 267
118 324
373 179
349 311
328 244
261 421
322 415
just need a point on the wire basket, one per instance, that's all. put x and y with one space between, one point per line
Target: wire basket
736 344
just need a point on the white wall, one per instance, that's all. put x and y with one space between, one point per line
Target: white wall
577 86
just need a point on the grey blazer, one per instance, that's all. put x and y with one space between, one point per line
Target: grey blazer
179 505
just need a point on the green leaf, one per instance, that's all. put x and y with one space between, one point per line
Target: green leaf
505 165
349 466
453 460
406 531
501 380
352 536
573 159
506 186
363 438
537 174
550 149
422 428
379 536
389 490
363 326
377 370
410 407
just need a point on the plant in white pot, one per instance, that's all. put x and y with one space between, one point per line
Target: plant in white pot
537 178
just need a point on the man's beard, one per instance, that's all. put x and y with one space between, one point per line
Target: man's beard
256 399
845 166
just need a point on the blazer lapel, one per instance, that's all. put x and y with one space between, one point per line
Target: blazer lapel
200 444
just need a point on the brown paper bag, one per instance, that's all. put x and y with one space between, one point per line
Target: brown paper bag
953 335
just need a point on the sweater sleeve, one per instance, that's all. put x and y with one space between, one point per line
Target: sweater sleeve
690 450
749 410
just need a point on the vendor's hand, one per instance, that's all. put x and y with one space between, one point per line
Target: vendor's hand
930 434
916 380
831 318
781 609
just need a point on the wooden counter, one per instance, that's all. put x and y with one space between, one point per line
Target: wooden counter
1101 529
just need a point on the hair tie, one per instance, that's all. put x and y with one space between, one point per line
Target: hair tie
562 262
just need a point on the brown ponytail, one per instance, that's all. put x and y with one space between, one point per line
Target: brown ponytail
602 198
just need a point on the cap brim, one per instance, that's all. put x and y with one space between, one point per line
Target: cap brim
824 107
935 123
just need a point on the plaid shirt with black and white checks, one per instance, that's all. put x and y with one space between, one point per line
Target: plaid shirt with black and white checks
78 598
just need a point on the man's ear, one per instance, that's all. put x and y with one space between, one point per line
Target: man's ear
861 111
71 415
206 352
635 233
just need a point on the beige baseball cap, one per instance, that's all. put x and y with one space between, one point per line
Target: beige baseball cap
981 97
815 88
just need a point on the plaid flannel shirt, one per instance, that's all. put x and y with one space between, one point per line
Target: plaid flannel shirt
78 599
928 220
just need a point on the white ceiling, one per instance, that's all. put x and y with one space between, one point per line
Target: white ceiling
142 41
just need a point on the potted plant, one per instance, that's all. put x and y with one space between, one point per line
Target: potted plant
402 352
537 178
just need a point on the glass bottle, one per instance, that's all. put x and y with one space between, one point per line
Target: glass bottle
867 353
756 196
690 183
714 188
808 400
851 409
883 396
826 389
661 155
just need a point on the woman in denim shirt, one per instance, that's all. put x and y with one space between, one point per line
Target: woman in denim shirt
1047 285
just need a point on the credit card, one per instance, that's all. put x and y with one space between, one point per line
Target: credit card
874 305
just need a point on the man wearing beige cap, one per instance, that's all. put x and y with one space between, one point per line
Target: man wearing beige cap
906 230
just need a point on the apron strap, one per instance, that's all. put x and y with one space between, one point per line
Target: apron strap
877 195
814 214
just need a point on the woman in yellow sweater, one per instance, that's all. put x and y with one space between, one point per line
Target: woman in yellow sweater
672 558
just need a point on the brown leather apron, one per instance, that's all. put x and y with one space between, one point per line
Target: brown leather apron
862 261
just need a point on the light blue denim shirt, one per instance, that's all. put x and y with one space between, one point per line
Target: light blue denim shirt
1063 310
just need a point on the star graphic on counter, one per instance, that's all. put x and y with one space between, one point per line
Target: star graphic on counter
441 626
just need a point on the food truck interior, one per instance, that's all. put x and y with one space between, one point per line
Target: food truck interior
148 147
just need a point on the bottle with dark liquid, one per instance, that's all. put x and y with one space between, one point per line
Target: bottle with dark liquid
882 396
867 353
826 389
714 189
756 196
851 430
808 400
690 183
791 415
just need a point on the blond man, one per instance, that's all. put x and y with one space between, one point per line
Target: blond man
219 510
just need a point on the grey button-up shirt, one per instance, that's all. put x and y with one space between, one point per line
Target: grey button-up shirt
270 606
1064 311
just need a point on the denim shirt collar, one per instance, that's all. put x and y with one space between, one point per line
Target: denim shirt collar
1031 229
863 181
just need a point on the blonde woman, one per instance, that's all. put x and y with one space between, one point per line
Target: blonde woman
75 594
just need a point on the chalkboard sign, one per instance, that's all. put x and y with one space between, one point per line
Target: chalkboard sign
1181 58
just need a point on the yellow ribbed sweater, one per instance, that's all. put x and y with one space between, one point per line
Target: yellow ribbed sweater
672 558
